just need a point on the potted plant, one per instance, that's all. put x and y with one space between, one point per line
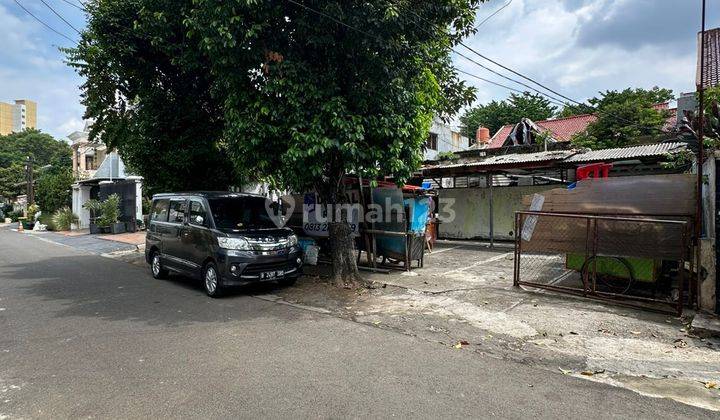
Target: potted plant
29 222
95 208
111 214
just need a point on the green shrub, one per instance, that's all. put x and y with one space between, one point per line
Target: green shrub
94 207
445 156
64 218
54 190
104 213
47 220
109 210
31 211
15 215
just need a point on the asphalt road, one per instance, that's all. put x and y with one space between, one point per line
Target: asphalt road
86 336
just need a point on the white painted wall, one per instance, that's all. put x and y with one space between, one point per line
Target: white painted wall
81 194
472 211
19 118
445 143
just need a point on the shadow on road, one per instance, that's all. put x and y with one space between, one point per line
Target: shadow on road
97 287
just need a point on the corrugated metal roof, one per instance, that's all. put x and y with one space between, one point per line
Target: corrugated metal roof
622 153
528 157
500 160
565 156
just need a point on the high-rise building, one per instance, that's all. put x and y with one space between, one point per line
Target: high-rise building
18 116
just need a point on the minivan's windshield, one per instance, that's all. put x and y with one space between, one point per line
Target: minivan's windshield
238 213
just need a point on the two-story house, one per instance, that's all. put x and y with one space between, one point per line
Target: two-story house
87 155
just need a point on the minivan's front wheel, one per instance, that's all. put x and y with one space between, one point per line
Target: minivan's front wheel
211 281
158 271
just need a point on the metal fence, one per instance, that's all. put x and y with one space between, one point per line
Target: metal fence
637 260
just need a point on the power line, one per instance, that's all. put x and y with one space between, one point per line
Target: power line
494 62
43 23
596 110
334 19
504 76
60 16
477 63
501 85
493 14
74 5
519 74
552 99
455 51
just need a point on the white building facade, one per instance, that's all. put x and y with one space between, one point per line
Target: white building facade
443 138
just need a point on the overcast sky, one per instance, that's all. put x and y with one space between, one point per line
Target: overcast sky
577 47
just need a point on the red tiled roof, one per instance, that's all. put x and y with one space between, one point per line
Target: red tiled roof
562 129
499 138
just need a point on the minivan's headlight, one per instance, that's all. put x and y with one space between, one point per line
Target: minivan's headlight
241 244
292 240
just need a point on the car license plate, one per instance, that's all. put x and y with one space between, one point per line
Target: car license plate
272 274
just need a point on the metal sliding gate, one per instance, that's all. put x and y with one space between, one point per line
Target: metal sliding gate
637 260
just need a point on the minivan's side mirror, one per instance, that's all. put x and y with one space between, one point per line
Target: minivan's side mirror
199 220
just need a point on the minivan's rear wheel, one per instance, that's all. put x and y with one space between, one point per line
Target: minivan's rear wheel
158 271
211 281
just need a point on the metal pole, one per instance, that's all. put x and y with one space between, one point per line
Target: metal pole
516 267
490 192
701 153
29 190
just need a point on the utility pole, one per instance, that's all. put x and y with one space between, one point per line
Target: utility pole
29 187
701 152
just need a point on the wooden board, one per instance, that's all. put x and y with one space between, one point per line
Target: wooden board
559 235
658 195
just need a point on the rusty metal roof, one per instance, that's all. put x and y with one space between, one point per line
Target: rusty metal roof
711 76
514 159
622 153
550 158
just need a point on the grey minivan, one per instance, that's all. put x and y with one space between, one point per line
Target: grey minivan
225 239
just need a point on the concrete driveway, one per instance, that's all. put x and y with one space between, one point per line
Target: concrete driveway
465 294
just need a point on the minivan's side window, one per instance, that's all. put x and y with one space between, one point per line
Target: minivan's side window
197 210
177 211
159 211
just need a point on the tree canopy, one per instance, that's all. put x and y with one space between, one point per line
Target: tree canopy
570 110
148 91
298 93
624 117
496 114
308 99
16 147
53 186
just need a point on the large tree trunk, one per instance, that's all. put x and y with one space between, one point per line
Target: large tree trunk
345 270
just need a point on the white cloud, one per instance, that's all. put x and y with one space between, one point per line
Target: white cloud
72 125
